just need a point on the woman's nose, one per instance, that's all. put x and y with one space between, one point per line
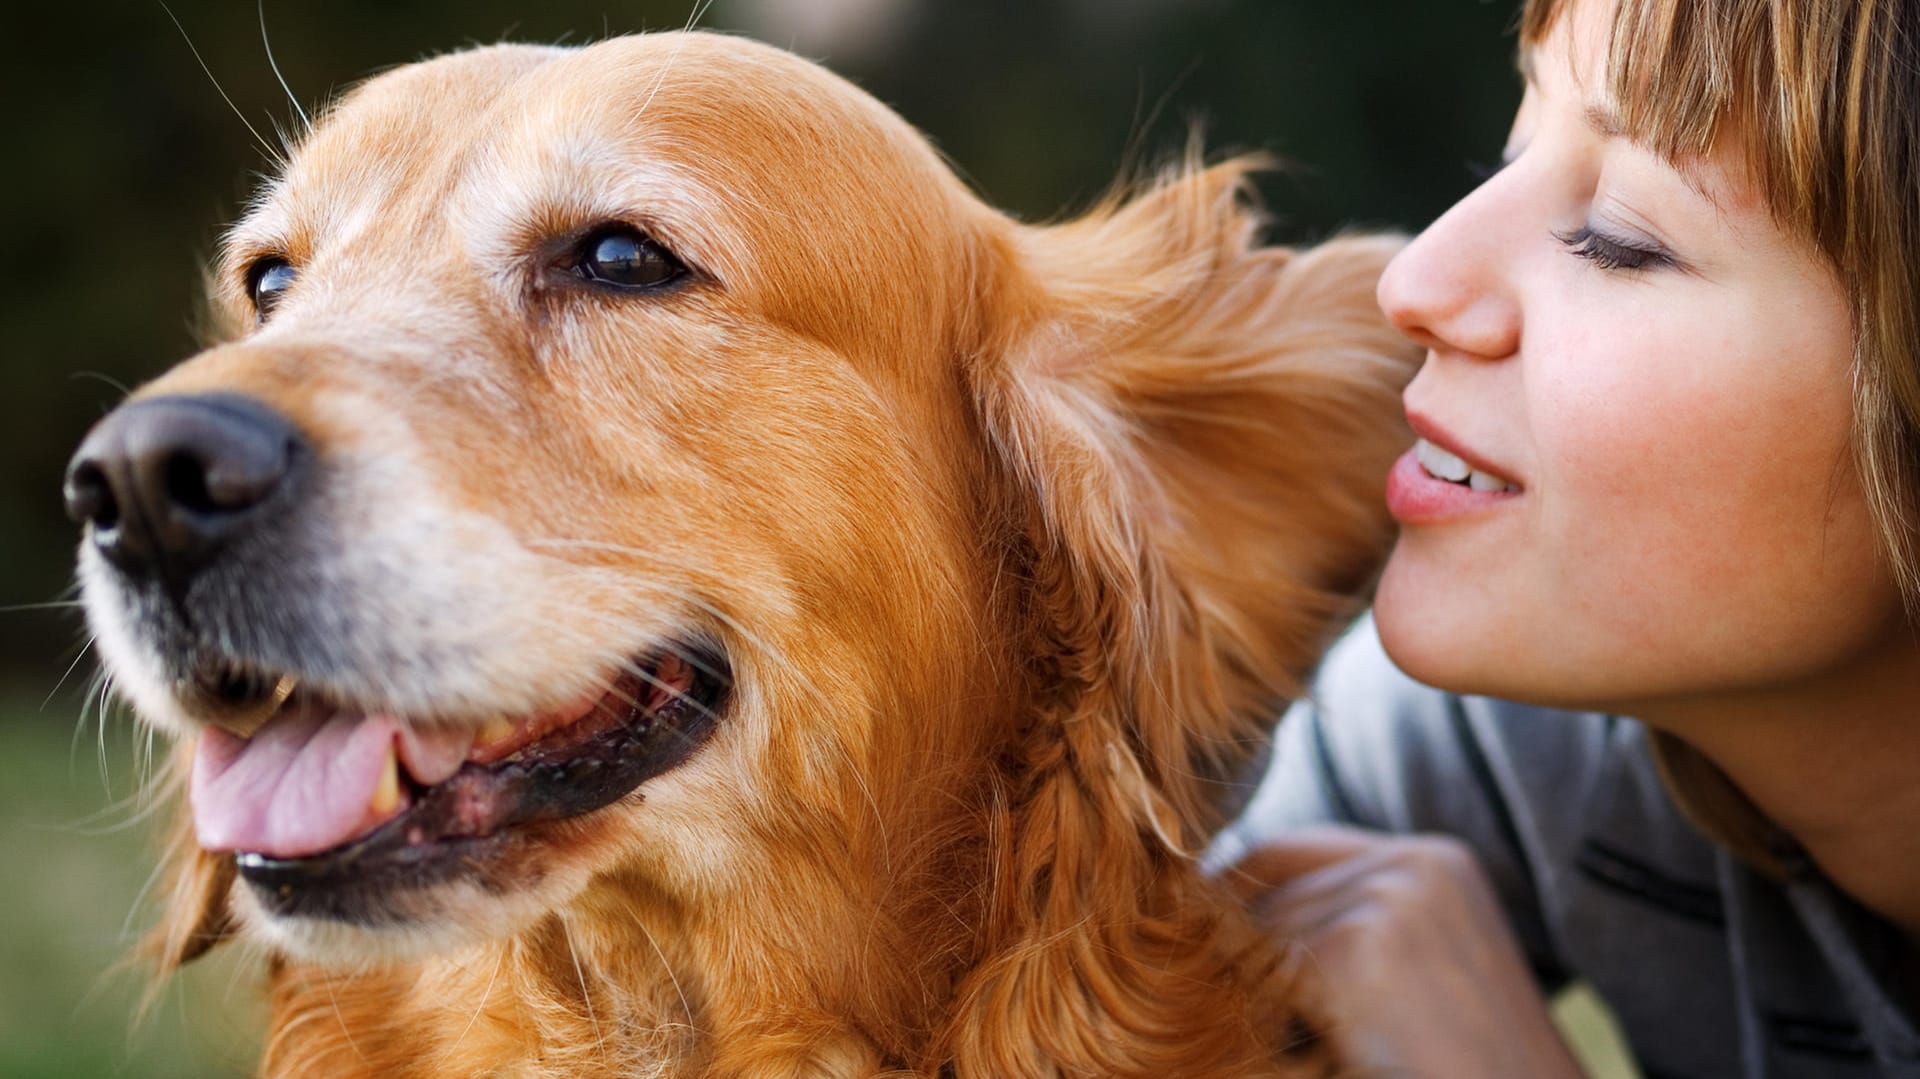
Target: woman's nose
1453 289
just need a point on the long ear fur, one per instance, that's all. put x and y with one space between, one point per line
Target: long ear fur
194 915
1201 430
1194 433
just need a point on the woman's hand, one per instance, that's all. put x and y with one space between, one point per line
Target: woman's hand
1407 949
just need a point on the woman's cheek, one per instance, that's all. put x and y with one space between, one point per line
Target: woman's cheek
1701 510
1640 447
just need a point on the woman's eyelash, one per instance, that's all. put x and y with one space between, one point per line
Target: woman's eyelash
1612 254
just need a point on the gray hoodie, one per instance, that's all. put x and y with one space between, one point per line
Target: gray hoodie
1711 967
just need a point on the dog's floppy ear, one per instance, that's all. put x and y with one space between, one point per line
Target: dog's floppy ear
1193 434
194 914
1197 430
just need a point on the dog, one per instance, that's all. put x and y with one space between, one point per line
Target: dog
657 578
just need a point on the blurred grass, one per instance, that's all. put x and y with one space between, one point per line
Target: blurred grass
74 862
1591 1032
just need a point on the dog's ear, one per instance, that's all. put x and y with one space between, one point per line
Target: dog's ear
194 911
1197 432
1193 435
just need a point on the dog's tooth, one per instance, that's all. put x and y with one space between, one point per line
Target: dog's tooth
386 794
494 730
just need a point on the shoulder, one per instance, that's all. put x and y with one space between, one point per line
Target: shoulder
1536 793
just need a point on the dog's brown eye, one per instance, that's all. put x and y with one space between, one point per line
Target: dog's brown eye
267 279
620 256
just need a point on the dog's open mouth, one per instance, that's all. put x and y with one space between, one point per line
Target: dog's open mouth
323 799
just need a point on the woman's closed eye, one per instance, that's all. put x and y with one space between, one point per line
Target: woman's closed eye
1613 252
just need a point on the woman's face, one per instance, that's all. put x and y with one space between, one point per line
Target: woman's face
1653 380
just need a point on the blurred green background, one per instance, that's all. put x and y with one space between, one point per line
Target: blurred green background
127 161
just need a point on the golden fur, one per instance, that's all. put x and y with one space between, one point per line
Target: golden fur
1014 534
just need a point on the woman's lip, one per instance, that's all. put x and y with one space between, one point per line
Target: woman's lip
1414 497
1424 427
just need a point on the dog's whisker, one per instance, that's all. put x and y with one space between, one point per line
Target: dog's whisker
100 728
278 159
68 673
586 997
279 129
54 605
94 685
145 761
478 1010
649 678
147 886
102 376
693 18
306 121
685 1005
133 803
93 703
693 660
345 1027
89 823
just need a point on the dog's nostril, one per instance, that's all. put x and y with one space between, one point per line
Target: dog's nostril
184 478
89 497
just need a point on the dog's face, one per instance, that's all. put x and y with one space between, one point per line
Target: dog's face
645 466
611 384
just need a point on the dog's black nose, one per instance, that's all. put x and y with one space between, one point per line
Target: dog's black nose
167 481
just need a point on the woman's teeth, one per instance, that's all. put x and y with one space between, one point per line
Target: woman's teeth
1443 465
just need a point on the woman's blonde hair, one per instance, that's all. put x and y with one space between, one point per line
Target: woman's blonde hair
1825 95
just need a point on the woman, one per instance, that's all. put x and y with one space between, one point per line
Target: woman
1669 469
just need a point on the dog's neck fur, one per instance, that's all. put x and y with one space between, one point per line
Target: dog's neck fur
1172 975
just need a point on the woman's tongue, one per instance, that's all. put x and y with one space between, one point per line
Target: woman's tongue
311 780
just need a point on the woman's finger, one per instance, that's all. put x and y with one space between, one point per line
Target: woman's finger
1298 853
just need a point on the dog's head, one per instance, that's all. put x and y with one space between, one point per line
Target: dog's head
646 464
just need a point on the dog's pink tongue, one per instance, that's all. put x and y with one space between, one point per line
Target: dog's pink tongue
303 783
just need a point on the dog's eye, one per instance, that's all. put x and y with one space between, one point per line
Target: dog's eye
621 256
267 279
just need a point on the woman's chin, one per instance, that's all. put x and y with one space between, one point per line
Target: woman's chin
1436 627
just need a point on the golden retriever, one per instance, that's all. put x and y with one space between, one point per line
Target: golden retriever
659 580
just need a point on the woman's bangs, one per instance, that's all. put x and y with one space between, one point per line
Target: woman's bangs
1679 71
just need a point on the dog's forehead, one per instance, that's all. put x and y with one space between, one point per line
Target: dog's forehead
727 113
750 163
677 77
390 128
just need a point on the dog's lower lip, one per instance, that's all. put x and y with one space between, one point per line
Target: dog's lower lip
448 828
